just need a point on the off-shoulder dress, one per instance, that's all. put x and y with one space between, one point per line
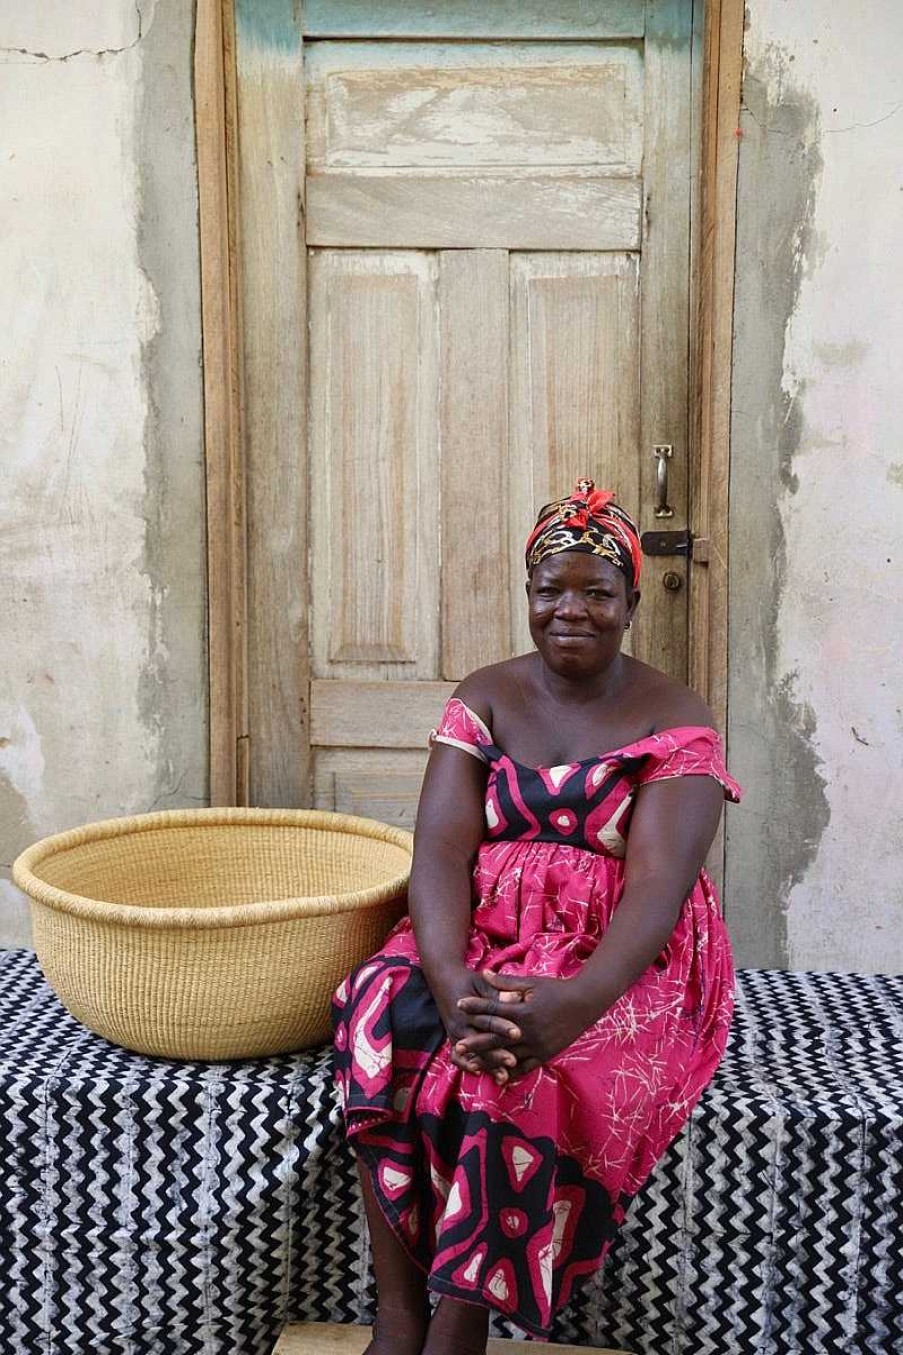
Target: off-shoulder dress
506 1196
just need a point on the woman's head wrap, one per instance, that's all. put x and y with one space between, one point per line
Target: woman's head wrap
588 520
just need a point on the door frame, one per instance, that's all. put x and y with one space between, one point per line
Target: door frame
248 81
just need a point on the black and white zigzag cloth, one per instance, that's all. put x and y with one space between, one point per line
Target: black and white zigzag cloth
157 1208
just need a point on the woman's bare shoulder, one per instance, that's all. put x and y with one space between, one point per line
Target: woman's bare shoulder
495 686
669 703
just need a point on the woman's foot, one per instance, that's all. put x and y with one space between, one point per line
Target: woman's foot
457 1328
398 1331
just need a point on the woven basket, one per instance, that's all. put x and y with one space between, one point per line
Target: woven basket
212 933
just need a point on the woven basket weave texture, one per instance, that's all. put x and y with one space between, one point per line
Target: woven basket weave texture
212 934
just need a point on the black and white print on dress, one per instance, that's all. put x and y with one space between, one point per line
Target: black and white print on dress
158 1208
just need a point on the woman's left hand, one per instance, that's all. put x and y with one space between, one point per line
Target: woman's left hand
551 1014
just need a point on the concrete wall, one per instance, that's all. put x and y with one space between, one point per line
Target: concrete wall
102 680
814 855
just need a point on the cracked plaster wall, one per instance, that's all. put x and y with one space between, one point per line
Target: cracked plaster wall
814 854
102 685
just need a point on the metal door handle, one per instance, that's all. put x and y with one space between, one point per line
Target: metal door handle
662 454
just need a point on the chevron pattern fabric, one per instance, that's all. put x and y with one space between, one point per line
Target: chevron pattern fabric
158 1208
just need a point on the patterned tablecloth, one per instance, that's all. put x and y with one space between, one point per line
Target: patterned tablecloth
157 1208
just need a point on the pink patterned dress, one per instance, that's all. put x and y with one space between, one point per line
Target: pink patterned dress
508 1195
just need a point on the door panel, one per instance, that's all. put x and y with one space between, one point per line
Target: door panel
482 211
374 714
374 485
531 146
379 783
575 387
473 439
477 106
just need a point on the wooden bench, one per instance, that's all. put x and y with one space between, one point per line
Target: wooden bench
150 1205
327 1338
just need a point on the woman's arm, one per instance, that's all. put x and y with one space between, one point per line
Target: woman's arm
448 833
673 825
449 830
671 830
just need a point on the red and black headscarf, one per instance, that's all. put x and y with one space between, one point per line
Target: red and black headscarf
588 520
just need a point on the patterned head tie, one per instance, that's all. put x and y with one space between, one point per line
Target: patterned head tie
588 520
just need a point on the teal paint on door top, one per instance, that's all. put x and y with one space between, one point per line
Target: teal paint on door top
275 24
521 19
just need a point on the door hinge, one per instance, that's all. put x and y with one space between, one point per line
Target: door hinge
694 548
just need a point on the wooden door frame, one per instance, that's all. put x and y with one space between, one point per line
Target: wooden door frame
248 83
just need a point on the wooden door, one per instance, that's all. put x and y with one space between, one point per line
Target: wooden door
497 225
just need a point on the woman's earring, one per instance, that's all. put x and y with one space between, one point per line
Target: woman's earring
627 625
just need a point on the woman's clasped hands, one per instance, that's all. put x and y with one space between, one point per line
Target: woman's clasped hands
507 1025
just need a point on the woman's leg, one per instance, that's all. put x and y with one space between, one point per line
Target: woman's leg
402 1312
457 1328
402 1318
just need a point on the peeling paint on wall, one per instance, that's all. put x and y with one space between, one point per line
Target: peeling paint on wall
103 674
813 877
173 685
770 731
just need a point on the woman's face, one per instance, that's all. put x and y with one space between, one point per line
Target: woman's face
579 608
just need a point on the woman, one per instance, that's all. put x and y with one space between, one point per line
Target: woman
521 1051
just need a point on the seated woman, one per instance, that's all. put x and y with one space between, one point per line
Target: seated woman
521 1051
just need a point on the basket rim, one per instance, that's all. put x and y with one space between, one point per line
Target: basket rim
259 912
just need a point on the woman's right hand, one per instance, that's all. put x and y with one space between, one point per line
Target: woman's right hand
488 1048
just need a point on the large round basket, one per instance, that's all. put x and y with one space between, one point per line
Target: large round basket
212 933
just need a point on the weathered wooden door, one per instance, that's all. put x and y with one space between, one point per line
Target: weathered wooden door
497 226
